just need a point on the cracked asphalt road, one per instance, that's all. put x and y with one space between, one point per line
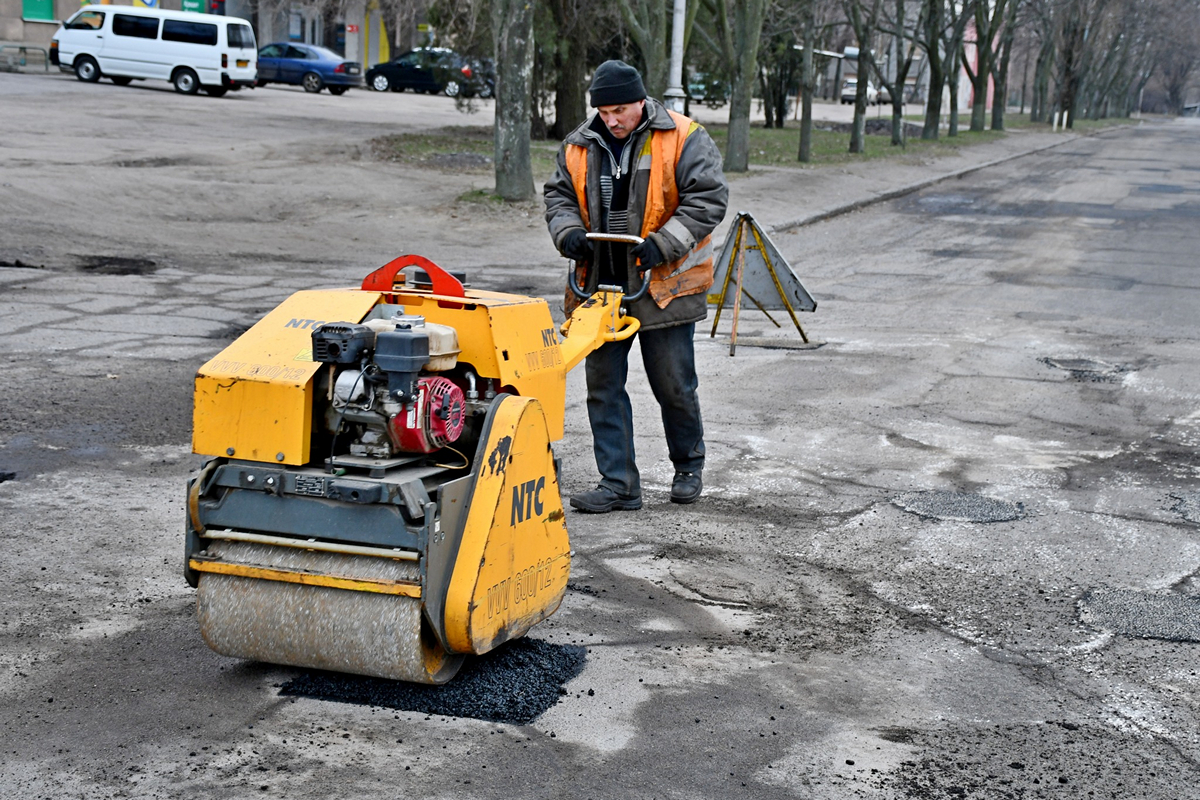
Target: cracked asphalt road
1025 334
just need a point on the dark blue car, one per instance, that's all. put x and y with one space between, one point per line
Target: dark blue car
307 65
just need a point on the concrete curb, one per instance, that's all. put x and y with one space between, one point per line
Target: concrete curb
838 211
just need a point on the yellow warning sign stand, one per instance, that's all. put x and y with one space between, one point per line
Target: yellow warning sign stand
762 275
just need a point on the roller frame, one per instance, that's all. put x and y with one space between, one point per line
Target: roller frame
470 555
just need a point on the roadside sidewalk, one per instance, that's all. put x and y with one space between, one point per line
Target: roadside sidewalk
783 198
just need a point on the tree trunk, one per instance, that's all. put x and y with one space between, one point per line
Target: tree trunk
512 33
1000 68
1000 99
858 131
903 48
1039 110
808 82
954 77
937 76
570 93
570 63
978 79
747 29
766 90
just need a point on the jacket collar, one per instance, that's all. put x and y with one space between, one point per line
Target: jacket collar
657 120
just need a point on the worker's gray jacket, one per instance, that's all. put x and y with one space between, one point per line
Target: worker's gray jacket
703 196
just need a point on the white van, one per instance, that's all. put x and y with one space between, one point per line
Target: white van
122 43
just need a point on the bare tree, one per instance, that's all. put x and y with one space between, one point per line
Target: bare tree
778 64
1079 18
903 34
988 19
957 15
864 19
1000 65
574 23
649 26
930 40
1180 53
738 32
817 19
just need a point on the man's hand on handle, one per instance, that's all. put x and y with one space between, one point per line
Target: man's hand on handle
647 254
576 245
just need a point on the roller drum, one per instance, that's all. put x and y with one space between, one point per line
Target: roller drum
316 626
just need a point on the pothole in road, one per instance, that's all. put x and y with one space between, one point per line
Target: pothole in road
515 684
1144 615
946 202
1187 506
959 506
162 161
1086 369
116 265
1161 188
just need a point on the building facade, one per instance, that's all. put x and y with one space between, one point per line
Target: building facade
361 34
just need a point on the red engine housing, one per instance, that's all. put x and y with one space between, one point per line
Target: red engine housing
432 421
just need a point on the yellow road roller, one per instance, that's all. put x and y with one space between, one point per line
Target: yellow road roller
381 494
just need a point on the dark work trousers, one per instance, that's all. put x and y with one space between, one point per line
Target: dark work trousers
670 362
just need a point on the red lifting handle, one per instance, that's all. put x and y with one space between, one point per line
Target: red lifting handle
384 278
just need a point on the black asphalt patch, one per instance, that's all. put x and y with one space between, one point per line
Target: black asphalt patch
1143 615
515 683
959 506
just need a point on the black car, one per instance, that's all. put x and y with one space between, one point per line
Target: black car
433 70
483 77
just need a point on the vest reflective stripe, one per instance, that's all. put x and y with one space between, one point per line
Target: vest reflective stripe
691 274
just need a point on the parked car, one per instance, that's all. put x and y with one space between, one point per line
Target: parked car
850 91
307 65
483 78
703 88
884 98
433 70
122 43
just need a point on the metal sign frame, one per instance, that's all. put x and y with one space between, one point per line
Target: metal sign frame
738 242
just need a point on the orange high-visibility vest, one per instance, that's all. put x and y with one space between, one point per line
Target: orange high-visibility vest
691 274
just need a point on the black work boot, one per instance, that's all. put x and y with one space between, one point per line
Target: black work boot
602 499
686 487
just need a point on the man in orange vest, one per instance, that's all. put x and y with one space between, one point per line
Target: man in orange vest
637 168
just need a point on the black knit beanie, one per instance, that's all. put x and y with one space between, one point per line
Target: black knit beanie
616 83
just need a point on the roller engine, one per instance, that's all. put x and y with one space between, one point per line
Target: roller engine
381 493
388 385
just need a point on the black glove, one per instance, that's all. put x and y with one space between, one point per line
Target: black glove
647 254
575 245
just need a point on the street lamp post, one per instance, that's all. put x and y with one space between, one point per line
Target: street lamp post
674 97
